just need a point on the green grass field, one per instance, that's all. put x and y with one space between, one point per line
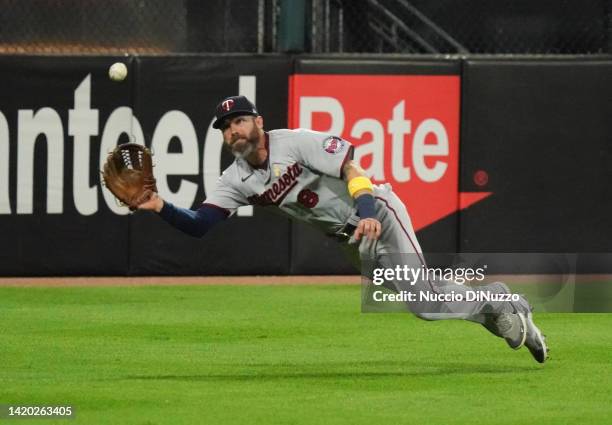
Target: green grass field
286 355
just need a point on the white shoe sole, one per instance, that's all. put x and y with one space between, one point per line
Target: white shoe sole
539 338
524 326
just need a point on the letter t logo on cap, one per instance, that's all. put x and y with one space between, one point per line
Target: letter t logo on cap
227 105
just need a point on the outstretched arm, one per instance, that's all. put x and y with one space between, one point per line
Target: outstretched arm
195 223
360 188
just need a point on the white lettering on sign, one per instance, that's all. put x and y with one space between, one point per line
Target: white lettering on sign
45 126
399 128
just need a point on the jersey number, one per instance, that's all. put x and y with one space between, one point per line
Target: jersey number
308 198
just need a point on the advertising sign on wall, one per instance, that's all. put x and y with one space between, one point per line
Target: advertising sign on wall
405 126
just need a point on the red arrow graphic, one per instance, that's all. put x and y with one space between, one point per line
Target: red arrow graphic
426 213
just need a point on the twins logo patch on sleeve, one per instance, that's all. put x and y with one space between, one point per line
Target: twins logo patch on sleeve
333 145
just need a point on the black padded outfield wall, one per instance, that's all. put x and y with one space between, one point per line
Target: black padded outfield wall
55 114
175 99
61 115
489 155
538 135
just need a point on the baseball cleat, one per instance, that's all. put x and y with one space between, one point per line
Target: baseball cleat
510 326
518 328
513 328
535 341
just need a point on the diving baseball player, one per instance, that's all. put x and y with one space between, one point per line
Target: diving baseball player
310 176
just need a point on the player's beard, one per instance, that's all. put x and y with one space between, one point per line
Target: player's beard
242 150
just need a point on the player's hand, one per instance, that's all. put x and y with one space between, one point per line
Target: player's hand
368 227
155 203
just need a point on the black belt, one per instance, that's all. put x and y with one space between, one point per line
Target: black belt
345 233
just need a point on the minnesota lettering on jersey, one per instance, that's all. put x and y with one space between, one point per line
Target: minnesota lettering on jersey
279 189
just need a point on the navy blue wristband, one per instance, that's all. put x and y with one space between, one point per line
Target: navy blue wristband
365 206
167 212
194 223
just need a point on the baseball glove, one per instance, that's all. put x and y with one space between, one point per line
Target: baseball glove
128 174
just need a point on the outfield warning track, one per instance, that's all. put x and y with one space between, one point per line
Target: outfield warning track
256 280
180 280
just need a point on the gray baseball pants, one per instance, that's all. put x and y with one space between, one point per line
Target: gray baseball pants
398 245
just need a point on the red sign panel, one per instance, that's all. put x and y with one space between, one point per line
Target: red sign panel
405 129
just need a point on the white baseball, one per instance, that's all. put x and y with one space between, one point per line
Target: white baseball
118 71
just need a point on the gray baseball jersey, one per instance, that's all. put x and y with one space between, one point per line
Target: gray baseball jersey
302 177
